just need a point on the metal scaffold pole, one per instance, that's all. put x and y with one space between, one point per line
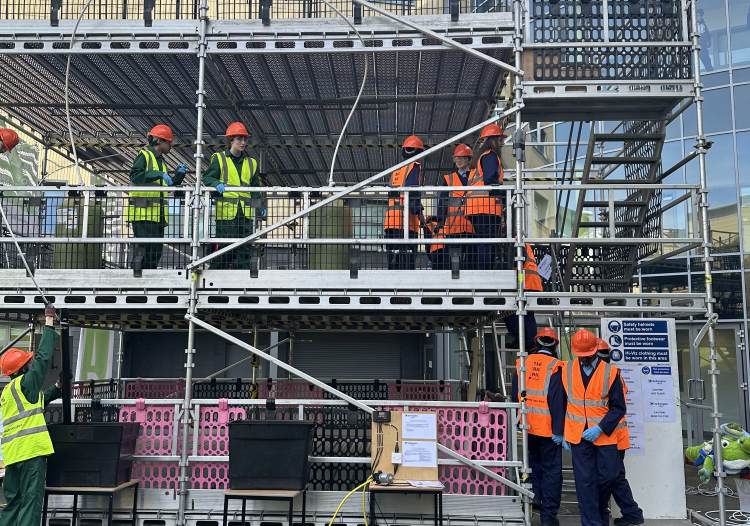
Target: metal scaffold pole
195 271
702 148
519 215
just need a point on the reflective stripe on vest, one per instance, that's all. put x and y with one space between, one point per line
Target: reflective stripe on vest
147 205
455 217
394 212
587 406
480 202
532 279
539 371
25 433
230 202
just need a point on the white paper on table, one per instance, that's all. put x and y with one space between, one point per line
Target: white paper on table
419 454
419 426
426 484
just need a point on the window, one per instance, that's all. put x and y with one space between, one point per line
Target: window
739 30
712 27
742 108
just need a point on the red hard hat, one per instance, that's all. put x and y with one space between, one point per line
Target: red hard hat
237 129
9 138
462 151
584 343
413 142
601 345
492 130
13 360
546 333
162 131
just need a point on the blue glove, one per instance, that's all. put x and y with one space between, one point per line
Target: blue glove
557 439
165 177
592 433
220 188
565 445
262 213
181 170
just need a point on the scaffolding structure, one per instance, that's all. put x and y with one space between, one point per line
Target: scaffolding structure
549 60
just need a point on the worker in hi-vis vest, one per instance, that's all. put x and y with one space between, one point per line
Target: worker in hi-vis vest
235 212
148 211
545 418
595 409
8 140
632 514
403 257
26 443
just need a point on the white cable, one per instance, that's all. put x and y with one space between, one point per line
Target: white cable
23 256
67 92
359 95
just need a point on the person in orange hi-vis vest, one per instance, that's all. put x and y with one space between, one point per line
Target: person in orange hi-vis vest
545 407
451 211
632 514
532 282
438 253
485 208
403 257
595 407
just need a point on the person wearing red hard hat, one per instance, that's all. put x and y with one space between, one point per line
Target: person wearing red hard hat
403 257
621 492
485 208
26 443
148 211
235 212
451 213
595 411
545 404
8 140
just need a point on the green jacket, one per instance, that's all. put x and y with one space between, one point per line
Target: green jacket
212 176
139 175
33 380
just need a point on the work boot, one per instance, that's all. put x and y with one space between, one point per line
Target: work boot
138 265
626 521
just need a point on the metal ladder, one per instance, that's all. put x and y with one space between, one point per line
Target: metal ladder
591 268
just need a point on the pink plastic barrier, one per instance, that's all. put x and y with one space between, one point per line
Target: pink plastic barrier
155 389
427 392
213 429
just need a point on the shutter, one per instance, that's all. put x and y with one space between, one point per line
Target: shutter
353 356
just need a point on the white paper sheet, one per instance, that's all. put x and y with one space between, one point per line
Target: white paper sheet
419 454
426 484
419 426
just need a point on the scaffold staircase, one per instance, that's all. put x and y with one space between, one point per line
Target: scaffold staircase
630 154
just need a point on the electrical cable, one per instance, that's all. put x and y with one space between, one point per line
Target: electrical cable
67 92
352 492
359 95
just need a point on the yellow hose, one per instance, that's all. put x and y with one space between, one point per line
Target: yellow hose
352 492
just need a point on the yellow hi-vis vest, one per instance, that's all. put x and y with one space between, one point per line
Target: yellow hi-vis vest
230 202
147 206
25 433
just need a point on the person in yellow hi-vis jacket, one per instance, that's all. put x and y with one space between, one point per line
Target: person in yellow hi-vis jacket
26 443
148 211
235 212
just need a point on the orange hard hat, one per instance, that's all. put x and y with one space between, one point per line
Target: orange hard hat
492 130
162 131
237 129
413 142
584 343
546 337
462 151
601 345
13 360
9 138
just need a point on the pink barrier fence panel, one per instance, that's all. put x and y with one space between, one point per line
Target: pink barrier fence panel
157 423
155 388
290 390
417 391
213 428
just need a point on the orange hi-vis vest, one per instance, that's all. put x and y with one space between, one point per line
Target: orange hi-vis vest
480 202
587 406
394 213
435 233
539 371
532 280
623 435
455 221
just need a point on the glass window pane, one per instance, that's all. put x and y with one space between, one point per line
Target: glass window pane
741 75
743 160
742 106
716 79
712 27
739 20
717 111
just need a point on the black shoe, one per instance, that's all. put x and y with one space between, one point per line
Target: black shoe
138 266
624 521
